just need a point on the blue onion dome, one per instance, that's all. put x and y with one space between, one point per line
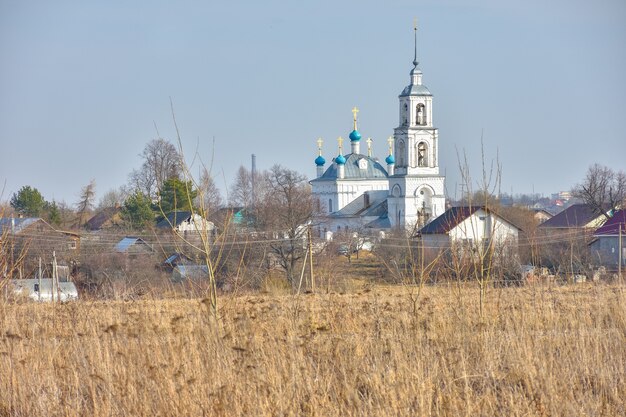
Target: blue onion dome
320 161
390 160
355 136
340 160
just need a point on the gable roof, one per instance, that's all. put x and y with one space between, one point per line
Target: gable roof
17 225
449 220
576 215
174 219
612 226
126 243
99 219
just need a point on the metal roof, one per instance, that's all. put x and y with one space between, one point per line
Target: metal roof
576 215
352 171
612 226
415 90
357 208
448 220
126 243
16 224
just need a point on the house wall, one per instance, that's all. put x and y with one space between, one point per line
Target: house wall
195 224
605 251
482 225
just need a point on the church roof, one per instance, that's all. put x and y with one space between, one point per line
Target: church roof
415 90
362 207
374 169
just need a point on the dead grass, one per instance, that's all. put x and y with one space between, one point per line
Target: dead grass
539 351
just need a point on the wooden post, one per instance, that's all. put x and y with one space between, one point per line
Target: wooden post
311 259
39 292
55 277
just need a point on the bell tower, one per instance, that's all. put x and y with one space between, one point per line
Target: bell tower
416 188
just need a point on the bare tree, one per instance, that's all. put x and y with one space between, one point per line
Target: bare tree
602 189
241 190
161 161
112 198
284 211
209 198
86 203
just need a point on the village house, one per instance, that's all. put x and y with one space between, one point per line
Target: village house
33 238
470 228
605 246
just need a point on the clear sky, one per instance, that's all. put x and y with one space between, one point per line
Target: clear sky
83 84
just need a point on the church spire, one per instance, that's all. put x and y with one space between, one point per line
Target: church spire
415 62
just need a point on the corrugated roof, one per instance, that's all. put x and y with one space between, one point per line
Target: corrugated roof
352 171
576 215
612 226
448 220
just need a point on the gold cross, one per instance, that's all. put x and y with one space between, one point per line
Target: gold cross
415 23
354 112
319 143
390 142
369 146
340 141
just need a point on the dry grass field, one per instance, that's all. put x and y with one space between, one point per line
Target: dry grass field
538 351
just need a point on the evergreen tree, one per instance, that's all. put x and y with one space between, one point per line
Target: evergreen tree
53 214
176 195
28 202
137 211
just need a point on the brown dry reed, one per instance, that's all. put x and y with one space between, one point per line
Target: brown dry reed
537 351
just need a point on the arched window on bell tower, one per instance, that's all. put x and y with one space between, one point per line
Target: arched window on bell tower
422 154
401 154
330 205
405 115
420 111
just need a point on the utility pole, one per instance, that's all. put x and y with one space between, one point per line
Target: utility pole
619 255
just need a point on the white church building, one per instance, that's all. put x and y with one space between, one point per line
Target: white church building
356 192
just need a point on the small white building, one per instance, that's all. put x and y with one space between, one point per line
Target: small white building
44 289
186 221
472 227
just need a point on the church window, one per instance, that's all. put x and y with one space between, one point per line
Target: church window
330 205
421 115
406 111
422 154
